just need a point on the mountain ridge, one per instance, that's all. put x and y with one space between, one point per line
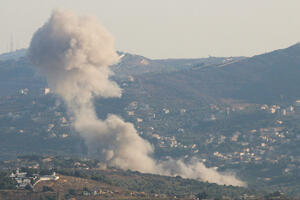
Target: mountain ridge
252 79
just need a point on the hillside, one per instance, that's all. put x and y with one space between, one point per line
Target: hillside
77 177
267 78
132 65
17 72
240 115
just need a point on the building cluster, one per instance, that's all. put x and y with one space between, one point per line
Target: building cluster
273 109
167 141
23 179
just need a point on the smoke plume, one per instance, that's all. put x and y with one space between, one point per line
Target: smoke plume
75 54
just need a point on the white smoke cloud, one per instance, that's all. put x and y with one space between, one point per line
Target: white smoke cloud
74 53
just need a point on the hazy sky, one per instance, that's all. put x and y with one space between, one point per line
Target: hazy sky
168 28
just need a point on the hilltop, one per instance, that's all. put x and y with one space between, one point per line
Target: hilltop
268 78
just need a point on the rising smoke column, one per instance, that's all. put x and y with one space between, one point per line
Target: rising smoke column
74 53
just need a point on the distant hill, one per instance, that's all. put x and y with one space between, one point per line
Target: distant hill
131 65
16 71
17 74
267 78
13 55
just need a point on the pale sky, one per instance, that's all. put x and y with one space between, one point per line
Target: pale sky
168 28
